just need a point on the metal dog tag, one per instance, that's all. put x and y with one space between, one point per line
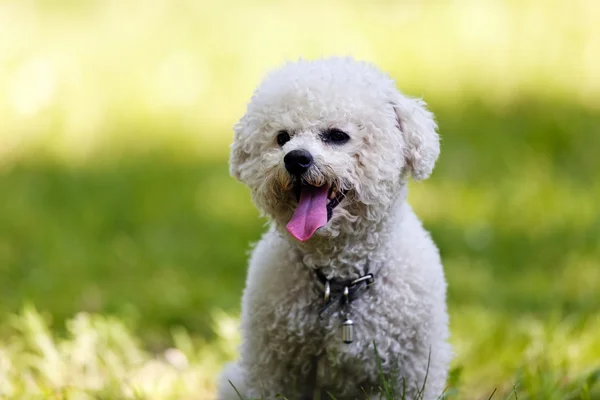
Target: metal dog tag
348 331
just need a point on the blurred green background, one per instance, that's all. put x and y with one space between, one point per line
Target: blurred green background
123 240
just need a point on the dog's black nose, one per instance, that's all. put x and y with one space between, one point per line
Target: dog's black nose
297 162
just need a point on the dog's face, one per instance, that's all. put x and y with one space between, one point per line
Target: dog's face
326 145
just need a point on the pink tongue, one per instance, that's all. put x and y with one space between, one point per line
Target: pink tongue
311 213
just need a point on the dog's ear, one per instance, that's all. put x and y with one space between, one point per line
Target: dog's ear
421 141
240 153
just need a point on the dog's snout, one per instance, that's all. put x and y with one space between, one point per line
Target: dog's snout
298 161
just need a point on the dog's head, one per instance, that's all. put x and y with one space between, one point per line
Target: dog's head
327 144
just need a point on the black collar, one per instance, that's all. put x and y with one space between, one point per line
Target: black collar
341 293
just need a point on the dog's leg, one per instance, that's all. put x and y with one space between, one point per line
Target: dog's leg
231 382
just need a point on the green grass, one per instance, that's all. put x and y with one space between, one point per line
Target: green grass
123 240
99 358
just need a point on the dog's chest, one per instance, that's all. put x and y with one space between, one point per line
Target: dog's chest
318 339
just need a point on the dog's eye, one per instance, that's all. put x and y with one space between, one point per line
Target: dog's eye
335 136
283 137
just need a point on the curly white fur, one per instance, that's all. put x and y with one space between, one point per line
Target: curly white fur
392 138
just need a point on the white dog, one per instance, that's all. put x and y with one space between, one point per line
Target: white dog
345 287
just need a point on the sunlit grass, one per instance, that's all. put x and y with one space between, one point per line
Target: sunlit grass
99 358
547 358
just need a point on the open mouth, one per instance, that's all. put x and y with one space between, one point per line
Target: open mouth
314 209
334 197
